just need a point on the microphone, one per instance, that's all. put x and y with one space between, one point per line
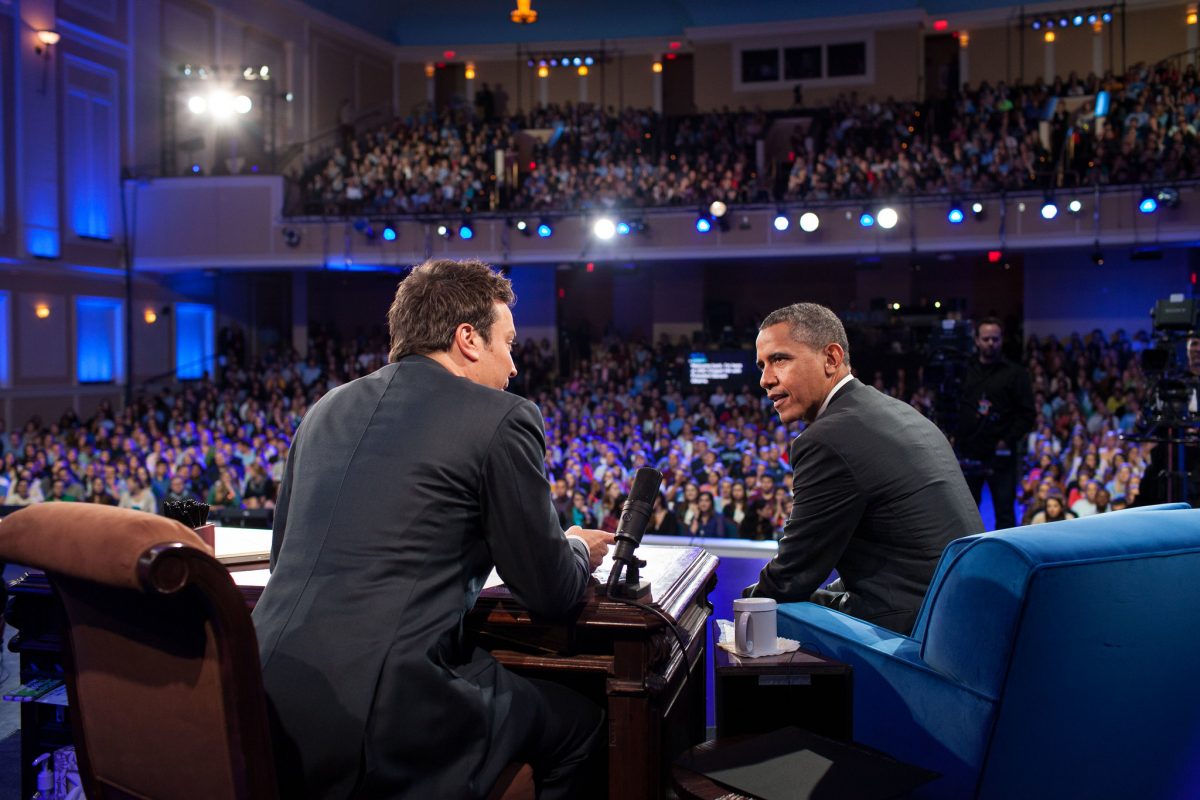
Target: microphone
635 516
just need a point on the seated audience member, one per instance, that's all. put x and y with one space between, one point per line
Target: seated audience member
224 493
138 497
58 493
1087 505
19 494
1102 501
99 494
708 522
662 520
259 491
178 491
1055 511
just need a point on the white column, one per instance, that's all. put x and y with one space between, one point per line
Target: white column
430 90
1098 52
1048 75
543 91
657 78
583 88
964 65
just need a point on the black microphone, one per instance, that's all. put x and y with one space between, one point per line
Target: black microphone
635 516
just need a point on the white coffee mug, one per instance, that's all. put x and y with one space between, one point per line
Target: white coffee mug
754 626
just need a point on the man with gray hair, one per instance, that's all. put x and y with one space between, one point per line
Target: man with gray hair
877 491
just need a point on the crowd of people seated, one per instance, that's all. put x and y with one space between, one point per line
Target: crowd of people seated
989 138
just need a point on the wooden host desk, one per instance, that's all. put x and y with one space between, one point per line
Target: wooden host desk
624 658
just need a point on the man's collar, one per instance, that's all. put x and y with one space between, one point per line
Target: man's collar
836 387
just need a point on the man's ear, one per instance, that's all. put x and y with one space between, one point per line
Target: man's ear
834 356
467 341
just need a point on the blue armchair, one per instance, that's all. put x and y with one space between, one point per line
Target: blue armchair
1059 660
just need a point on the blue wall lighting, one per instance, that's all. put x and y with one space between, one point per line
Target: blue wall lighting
99 340
195 340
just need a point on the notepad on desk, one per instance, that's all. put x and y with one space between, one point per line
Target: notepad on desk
240 546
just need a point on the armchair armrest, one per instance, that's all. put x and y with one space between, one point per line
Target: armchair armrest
901 706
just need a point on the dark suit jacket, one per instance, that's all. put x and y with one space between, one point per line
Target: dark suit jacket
878 494
402 489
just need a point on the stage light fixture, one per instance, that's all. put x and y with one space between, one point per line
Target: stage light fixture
809 222
197 104
955 215
444 231
195 169
1167 196
242 104
1107 16
866 219
389 234
977 208
1148 205
604 229
1077 20
589 61
781 222
623 228
703 224
1049 209
1036 25
522 226
1075 206
1063 22
465 231
887 217
1092 19
717 209
544 230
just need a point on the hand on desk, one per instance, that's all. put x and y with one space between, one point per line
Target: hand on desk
597 543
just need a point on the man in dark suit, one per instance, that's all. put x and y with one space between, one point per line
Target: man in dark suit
402 490
877 491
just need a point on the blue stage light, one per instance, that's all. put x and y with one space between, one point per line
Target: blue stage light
589 61
622 228
867 220
465 231
1107 16
1077 20
1049 210
703 224
1092 19
577 61
1036 24
389 234
195 168
781 222
954 215
1062 22
1148 205
545 231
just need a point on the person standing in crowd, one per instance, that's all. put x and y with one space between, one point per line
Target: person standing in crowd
877 491
996 412
402 490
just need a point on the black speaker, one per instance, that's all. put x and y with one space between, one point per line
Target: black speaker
246 517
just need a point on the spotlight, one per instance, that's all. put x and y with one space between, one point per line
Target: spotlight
523 227
623 228
465 231
1167 196
1148 205
577 61
977 208
195 169
220 104
809 222
1092 19
544 230
389 234
887 217
1037 25
717 209
955 215
1107 16
197 104
1063 22
703 224
554 62
604 229
444 231
242 104
866 220
1049 210
1049 23
781 222
1077 20
1075 206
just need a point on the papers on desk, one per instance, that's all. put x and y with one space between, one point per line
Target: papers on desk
242 545
251 577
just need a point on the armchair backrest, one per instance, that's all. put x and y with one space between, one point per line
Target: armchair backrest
1084 633
163 676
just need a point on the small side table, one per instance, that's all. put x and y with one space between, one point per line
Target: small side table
757 695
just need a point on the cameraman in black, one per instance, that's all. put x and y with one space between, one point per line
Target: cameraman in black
996 413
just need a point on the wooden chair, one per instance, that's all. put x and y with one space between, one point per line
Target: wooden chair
163 677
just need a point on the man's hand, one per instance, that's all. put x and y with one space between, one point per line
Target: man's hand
597 543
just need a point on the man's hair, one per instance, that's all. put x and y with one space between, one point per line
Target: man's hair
811 324
990 321
437 297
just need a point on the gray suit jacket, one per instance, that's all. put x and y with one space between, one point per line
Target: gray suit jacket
402 489
878 494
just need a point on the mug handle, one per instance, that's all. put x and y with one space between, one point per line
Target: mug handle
741 633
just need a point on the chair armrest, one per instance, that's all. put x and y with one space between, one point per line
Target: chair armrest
901 705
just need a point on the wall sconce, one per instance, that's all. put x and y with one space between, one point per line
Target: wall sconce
150 316
470 71
46 39
41 310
